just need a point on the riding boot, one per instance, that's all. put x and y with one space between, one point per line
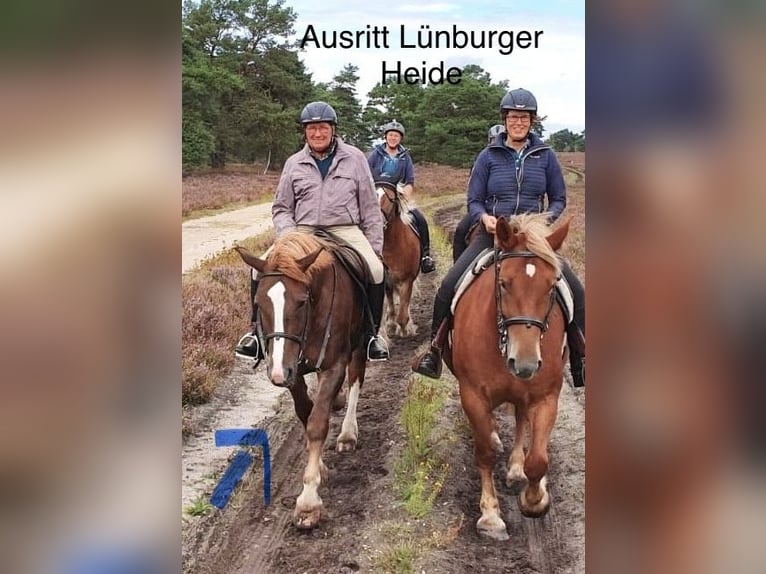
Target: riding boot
430 363
426 262
376 346
248 346
576 342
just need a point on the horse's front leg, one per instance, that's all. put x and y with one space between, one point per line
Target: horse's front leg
406 326
390 322
482 421
515 477
301 401
534 500
350 430
308 507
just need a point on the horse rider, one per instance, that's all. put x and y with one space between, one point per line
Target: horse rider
327 185
464 227
390 161
513 174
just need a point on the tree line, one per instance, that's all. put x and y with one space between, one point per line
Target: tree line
243 87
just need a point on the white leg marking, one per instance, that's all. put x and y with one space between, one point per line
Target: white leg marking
496 444
349 430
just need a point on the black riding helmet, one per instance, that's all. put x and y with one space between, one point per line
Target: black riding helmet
318 112
518 99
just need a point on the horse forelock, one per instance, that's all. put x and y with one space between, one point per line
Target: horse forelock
535 228
291 247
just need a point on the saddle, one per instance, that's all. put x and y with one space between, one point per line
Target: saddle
348 257
486 259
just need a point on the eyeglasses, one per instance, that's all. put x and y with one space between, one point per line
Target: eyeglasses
513 118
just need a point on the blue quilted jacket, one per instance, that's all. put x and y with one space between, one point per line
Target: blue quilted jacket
506 183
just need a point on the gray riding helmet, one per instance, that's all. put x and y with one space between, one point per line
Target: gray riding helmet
318 112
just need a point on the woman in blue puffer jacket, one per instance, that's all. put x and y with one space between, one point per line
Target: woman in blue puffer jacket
516 173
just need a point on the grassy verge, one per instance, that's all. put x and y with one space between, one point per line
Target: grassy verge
418 474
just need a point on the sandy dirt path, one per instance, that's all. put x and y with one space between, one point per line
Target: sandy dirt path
246 398
205 236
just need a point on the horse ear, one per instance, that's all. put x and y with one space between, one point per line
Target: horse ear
502 230
305 262
557 236
250 259
504 234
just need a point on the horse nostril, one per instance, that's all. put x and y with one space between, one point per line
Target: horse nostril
539 364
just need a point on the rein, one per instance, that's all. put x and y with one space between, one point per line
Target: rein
502 321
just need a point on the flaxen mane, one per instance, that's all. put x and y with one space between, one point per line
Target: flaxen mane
535 228
293 246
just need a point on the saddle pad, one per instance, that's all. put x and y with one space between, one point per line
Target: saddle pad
485 259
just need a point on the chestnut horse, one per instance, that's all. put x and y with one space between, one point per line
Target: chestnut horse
508 346
401 256
310 317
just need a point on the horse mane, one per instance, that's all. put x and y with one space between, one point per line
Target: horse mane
291 247
536 228
404 206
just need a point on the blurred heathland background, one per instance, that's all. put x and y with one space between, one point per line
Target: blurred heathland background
90 174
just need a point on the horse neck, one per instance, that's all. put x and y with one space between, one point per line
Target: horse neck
334 290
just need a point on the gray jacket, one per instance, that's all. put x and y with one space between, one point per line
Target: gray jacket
345 197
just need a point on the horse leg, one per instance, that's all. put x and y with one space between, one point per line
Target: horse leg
350 430
406 326
308 506
301 400
391 307
515 477
534 500
483 424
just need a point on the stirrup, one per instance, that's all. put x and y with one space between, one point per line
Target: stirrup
248 340
427 264
383 345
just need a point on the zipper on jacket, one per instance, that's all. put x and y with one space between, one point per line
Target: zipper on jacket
520 173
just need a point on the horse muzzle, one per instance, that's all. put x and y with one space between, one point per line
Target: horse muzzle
524 370
282 377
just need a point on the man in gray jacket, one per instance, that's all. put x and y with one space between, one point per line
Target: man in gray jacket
328 185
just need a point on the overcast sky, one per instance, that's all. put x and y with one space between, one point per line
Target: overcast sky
555 71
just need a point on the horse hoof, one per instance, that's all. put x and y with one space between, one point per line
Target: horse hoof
346 445
307 519
492 528
534 510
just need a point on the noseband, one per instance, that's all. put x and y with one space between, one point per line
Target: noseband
502 321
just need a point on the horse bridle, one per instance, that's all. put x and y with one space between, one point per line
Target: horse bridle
388 217
264 338
502 321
